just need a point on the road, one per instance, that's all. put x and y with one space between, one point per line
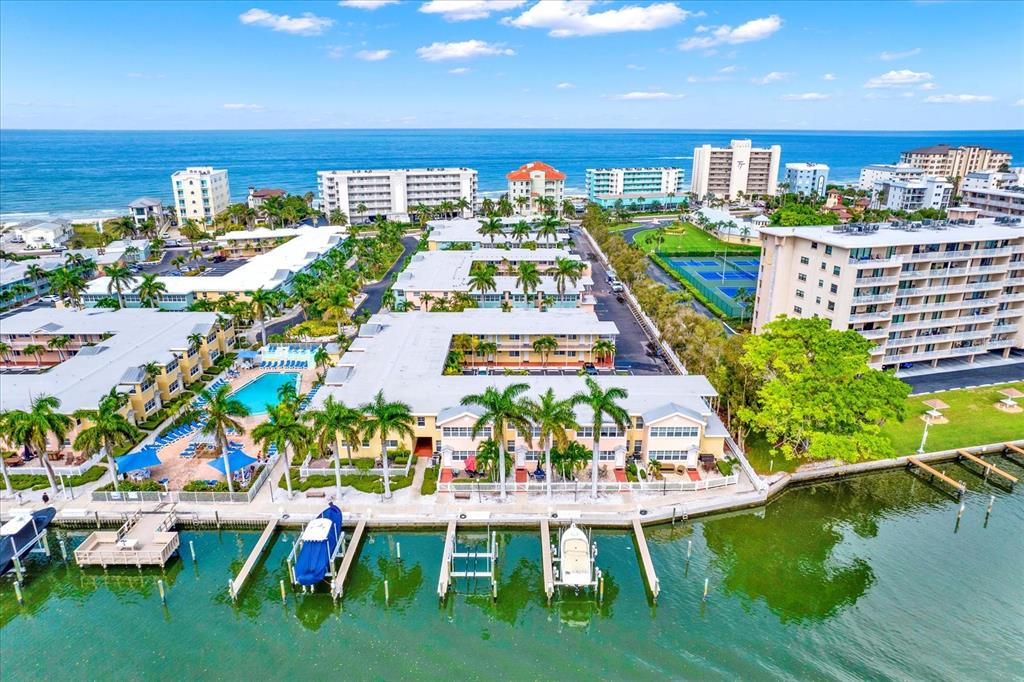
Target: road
978 376
375 292
631 343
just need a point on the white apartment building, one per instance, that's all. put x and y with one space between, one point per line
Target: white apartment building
913 195
872 177
954 162
394 194
740 167
923 292
807 178
200 193
533 181
643 186
994 193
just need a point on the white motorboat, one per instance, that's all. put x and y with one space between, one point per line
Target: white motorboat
576 558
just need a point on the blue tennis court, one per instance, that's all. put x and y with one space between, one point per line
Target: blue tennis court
720 280
694 263
749 262
733 275
732 292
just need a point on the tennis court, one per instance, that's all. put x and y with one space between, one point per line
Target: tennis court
720 279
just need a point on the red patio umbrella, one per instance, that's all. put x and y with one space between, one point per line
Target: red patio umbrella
471 463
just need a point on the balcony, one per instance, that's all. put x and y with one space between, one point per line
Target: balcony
877 262
877 281
929 307
934 354
873 333
950 255
999 343
871 317
983 286
1019 296
874 298
942 322
940 338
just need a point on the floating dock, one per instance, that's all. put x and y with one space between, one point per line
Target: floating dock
987 467
142 540
545 554
338 586
254 556
645 559
936 474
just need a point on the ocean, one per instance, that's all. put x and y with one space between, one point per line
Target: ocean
73 173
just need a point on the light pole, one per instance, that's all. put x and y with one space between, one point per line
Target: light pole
924 437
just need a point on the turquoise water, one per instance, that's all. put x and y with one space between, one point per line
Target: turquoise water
866 579
84 172
261 392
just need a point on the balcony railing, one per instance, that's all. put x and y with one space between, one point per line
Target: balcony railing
871 317
970 253
877 281
877 262
942 322
874 298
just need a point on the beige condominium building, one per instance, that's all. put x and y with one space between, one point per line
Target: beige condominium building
394 194
405 356
923 292
954 162
993 193
200 193
533 181
740 167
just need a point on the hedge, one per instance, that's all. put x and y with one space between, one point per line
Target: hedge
429 486
39 482
694 291
366 484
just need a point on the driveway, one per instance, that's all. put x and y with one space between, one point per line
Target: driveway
631 343
375 292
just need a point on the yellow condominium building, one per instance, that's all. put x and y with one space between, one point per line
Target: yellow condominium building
931 292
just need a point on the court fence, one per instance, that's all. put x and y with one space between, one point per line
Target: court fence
718 298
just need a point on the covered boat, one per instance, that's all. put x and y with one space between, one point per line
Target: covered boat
19 535
576 558
319 545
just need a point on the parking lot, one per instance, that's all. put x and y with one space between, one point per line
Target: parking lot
631 345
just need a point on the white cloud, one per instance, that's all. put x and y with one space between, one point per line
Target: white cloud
565 18
770 77
646 96
958 99
728 69
308 24
467 10
460 71
892 56
926 86
335 51
565 86
367 4
895 79
245 107
828 77
805 97
755 29
373 55
636 67
467 49
1019 103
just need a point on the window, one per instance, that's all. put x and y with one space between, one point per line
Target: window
831 305
668 455
195 370
391 444
674 431
835 270
174 386
510 446
798 310
823 265
421 421
799 293
804 260
639 422
817 300
814 245
833 289
462 455
464 432
828 250
150 405
606 456
802 277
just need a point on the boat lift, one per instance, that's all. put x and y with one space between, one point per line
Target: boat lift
26 533
475 564
574 561
336 555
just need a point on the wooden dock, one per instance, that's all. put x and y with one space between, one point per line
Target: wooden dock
444 581
351 550
645 559
254 556
935 473
988 468
1010 447
545 554
143 539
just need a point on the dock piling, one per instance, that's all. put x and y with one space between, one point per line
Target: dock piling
63 550
163 595
192 548
689 549
398 550
960 512
17 592
284 598
991 501
231 589
705 589
387 594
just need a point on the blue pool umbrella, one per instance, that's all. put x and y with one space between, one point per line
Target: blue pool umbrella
143 459
236 460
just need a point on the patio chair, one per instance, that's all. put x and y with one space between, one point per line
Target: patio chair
539 474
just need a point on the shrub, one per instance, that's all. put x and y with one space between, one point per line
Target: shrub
149 486
361 482
429 486
724 467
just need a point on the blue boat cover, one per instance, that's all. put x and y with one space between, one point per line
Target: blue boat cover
143 459
236 460
315 556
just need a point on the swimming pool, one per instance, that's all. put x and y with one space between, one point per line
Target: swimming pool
262 391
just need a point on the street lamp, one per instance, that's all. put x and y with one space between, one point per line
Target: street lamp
928 416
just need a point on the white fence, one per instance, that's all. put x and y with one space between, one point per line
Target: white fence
306 471
187 495
664 486
57 470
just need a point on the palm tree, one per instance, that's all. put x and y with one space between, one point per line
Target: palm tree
384 418
283 429
491 228
109 429
361 209
195 340
602 403
462 204
321 358
336 420
527 278
485 348
120 278
69 284
521 202
150 290
32 429
566 269
544 346
502 410
35 274
263 303
35 349
552 418
482 279
59 343
520 231
548 227
338 217
603 349
178 261
222 413
5 351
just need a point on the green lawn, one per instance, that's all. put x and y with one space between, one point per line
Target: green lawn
972 421
687 237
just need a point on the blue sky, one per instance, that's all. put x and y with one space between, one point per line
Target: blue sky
512 63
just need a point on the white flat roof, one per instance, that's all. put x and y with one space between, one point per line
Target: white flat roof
449 270
140 335
267 270
269 233
403 354
467 230
984 230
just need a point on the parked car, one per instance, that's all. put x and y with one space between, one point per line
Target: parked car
49 299
218 259
589 368
172 242
617 286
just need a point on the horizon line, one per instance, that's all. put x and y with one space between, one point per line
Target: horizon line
454 128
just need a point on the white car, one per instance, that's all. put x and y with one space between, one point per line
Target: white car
617 286
49 299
